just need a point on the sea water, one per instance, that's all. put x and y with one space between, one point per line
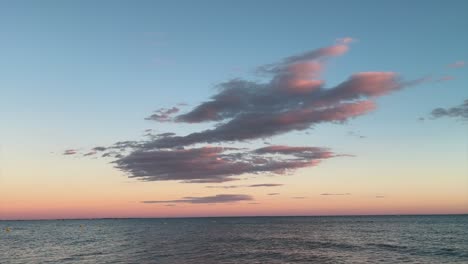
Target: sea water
344 239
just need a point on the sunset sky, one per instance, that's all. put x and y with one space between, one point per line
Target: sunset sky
231 108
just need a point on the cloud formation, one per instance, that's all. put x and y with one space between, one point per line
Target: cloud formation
460 112
214 164
219 198
327 194
291 97
294 98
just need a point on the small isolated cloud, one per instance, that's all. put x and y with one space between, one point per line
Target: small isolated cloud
273 194
459 112
457 64
70 152
326 194
299 197
225 186
220 198
345 40
379 196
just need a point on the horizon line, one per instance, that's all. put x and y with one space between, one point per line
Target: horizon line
230 216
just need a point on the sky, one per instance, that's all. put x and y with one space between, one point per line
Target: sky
232 108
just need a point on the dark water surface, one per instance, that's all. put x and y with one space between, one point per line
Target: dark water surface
360 239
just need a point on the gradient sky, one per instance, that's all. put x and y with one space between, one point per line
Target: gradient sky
79 74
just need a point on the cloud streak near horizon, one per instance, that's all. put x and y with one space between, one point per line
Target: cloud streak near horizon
219 198
248 186
292 97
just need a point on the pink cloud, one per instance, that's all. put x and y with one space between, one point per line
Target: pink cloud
301 77
445 78
369 84
336 50
294 98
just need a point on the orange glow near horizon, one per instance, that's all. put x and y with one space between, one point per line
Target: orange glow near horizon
115 196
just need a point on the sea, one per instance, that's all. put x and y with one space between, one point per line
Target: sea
326 239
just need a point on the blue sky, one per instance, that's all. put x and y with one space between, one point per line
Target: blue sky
86 73
153 54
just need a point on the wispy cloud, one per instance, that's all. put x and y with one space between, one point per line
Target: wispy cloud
246 186
265 185
273 194
457 64
99 149
70 152
460 112
220 198
225 186
445 78
345 40
355 134
163 114
327 194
